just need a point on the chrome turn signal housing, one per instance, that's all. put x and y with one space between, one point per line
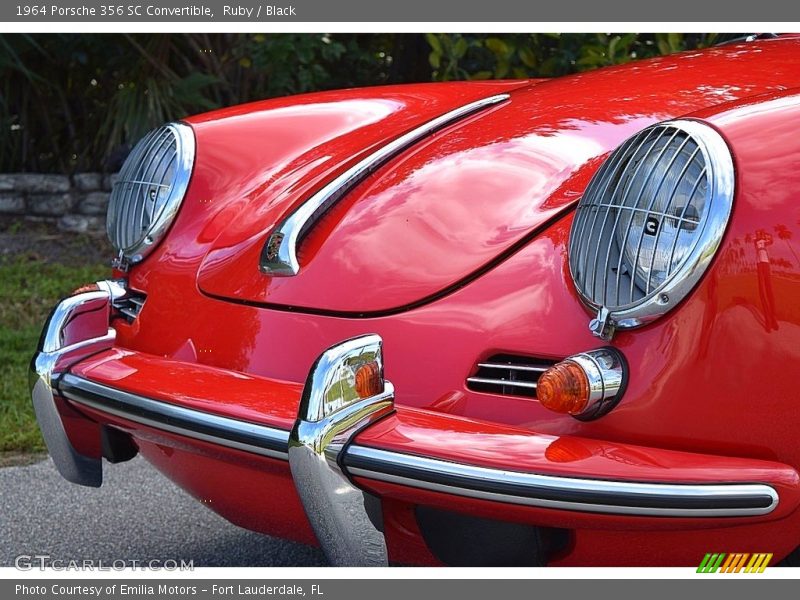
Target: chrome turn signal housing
585 385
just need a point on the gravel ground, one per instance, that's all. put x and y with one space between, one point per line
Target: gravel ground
136 515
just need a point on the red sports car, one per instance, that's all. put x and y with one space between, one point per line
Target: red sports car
543 322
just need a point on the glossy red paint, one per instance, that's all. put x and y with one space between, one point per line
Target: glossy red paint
714 377
299 143
471 191
595 543
254 492
438 435
82 433
217 391
424 433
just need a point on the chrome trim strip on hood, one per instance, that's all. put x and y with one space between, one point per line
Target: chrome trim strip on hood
279 255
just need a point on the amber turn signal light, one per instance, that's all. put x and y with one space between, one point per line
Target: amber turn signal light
368 380
89 287
564 388
585 385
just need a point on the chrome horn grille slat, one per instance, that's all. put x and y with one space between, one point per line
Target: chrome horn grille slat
513 367
130 304
508 375
503 382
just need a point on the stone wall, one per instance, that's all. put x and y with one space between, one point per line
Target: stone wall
76 203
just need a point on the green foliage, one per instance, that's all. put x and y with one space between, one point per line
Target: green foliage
479 56
77 102
28 290
73 102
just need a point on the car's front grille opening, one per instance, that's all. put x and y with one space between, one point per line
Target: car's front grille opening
130 305
508 375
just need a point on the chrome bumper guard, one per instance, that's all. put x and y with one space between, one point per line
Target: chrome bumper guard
319 448
77 327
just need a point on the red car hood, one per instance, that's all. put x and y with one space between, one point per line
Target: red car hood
454 203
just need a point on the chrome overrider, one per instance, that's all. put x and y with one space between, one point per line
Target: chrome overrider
76 328
329 417
320 448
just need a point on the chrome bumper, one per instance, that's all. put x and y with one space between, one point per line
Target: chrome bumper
319 448
77 327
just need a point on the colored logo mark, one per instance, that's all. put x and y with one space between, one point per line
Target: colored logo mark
734 563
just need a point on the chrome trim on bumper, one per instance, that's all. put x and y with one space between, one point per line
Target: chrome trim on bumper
224 431
563 493
322 446
55 352
337 510
321 456
279 255
71 464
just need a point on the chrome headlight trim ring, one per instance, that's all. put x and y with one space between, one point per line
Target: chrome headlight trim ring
130 235
719 179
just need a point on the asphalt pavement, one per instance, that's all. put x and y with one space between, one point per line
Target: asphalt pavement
137 514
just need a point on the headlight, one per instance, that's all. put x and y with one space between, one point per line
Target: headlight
150 189
650 222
